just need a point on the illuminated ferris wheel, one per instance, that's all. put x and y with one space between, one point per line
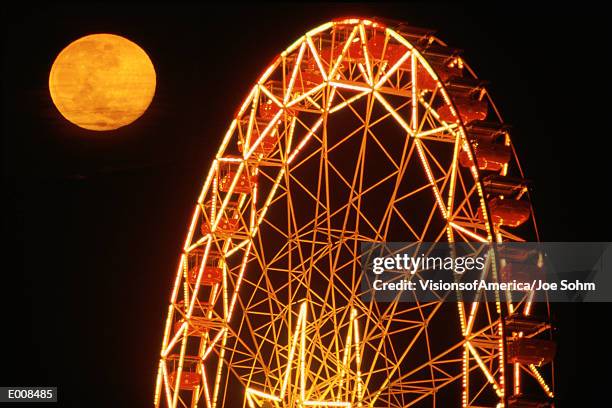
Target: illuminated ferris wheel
360 131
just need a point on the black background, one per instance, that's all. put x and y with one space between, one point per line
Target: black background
93 222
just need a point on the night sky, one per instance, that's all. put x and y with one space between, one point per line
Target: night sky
94 222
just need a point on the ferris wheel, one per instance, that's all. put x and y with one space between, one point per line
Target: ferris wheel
361 131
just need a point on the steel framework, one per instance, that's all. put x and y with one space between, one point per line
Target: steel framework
360 131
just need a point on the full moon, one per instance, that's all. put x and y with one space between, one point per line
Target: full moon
102 82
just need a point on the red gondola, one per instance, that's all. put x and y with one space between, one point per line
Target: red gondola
189 380
229 222
228 171
470 109
521 272
226 226
511 213
268 110
391 53
212 274
489 156
531 351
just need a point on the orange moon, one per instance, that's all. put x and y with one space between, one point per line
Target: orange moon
102 82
